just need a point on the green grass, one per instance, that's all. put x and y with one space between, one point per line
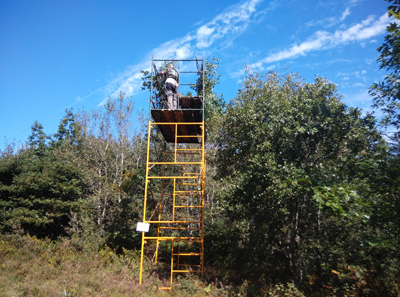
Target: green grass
34 267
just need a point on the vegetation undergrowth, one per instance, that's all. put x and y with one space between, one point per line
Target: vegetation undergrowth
42 267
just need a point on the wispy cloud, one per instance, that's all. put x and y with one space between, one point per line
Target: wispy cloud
353 2
356 74
361 100
322 40
330 21
127 82
345 14
223 28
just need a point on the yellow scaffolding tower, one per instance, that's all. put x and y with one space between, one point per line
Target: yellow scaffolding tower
174 202
173 212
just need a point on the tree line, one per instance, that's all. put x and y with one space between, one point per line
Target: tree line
301 189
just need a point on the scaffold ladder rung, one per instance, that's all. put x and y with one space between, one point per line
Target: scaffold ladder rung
179 228
185 271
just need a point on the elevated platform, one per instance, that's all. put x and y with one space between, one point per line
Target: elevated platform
173 205
191 112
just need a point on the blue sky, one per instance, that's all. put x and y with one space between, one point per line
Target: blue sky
60 54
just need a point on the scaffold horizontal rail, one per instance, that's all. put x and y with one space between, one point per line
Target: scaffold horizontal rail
174 222
188 206
186 149
178 123
174 238
187 254
175 163
190 222
184 184
188 136
179 228
186 271
172 176
189 195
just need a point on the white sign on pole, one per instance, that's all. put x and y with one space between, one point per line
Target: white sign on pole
142 227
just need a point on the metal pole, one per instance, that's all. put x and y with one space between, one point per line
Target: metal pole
151 88
204 95
145 203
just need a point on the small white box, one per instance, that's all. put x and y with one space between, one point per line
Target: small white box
142 227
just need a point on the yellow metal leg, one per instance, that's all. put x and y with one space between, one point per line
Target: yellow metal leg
177 194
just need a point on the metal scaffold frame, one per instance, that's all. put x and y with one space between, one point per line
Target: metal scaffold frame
173 210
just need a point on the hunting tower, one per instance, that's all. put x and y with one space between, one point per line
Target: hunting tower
173 212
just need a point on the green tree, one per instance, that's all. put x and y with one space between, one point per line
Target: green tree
289 155
85 180
112 158
38 139
69 131
380 182
386 94
214 103
38 191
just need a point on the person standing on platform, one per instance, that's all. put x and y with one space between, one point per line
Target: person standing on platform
171 85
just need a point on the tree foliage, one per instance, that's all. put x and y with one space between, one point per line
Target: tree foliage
114 160
302 192
85 180
38 189
386 94
289 161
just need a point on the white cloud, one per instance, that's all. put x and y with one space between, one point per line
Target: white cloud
225 26
127 82
345 14
184 52
231 22
329 21
203 36
358 79
324 40
317 42
326 22
172 48
364 30
352 2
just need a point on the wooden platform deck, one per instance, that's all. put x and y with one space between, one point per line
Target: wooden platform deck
190 112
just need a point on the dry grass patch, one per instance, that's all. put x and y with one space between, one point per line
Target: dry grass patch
34 267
